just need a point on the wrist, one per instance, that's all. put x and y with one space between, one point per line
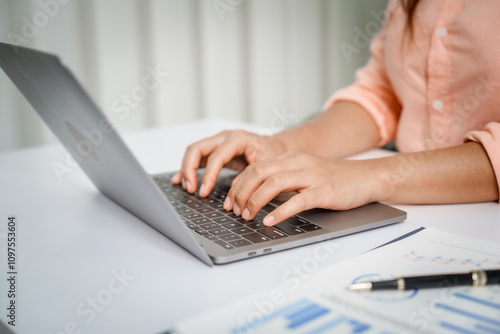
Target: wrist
383 180
284 143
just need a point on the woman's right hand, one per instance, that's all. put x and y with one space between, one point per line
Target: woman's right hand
232 149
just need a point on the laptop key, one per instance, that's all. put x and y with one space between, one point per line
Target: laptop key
194 205
204 209
242 230
208 201
310 227
231 225
219 231
272 233
214 214
289 229
192 216
242 221
230 237
223 244
220 197
216 205
201 221
184 210
255 237
297 222
202 232
210 226
231 215
210 236
261 215
240 243
255 225
224 219
179 196
177 206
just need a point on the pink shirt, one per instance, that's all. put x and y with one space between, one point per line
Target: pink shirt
441 88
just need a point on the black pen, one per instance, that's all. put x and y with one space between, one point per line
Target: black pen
473 278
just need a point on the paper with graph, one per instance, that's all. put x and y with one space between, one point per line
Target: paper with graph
324 305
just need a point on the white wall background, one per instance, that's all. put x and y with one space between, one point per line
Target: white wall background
237 59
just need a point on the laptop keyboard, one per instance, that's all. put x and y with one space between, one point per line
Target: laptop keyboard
207 217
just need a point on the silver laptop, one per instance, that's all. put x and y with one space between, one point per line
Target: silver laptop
199 225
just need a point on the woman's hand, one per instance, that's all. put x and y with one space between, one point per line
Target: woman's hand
319 183
342 130
233 149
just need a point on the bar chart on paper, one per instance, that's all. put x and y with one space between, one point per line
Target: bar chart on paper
458 312
470 314
313 316
325 305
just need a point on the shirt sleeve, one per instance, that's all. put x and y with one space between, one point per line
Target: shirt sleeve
372 89
490 139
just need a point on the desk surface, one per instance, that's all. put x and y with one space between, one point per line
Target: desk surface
86 264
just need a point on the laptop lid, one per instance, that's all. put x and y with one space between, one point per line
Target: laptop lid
92 141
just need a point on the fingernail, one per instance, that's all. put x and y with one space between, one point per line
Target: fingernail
236 209
268 220
188 185
227 203
203 189
246 214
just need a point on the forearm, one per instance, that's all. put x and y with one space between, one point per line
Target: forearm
458 174
342 130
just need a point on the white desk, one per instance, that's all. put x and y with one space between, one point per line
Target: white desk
71 238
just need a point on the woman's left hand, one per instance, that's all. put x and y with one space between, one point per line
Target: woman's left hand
319 183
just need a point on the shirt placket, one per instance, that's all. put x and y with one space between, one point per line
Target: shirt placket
439 74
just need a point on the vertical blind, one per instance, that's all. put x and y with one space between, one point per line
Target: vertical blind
157 62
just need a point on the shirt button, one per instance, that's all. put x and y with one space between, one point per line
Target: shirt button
441 32
437 104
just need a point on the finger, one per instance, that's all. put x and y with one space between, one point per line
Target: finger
251 179
234 180
228 203
221 156
273 186
295 205
193 158
176 179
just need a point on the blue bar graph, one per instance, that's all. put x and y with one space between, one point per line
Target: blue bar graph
355 326
486 329
286 310
469 314
456 329
327 326
309 314
307 308
297 314
477 300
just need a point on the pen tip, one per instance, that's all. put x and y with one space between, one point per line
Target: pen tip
360 286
